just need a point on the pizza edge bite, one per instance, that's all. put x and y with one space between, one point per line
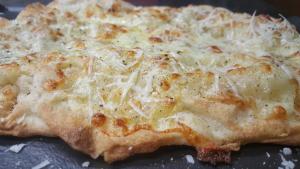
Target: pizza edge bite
78 132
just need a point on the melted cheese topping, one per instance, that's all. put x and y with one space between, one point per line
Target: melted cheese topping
204 67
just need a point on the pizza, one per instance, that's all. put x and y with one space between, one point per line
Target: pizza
113 80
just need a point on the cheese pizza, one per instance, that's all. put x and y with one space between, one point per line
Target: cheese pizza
113 80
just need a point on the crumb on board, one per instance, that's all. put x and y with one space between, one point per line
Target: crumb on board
16 148
286 164
18 163
85 164
41 165
190 159
287 151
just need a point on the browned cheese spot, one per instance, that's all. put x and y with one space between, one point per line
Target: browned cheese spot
216 49
199 73
10 65
131 53
115 8
6 46
231 99
234 24
52 56
297 54
154 39
266 68
175 76
98 119
162 15
53 84
51 18
278 113
80 45
238 71
50 85
70 16
165 85
8 101
122 123
8 92
89 12
173 33
60 74
111 31
164 65
55 34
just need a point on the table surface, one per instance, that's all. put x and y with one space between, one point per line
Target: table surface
60 155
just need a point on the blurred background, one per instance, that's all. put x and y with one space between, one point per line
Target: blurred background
288 8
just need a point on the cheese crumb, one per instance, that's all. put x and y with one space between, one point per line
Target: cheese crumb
85 164
190 159
18 163
41 165
16 148
287 151
286 163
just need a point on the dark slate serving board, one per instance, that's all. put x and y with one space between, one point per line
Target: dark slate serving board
60 155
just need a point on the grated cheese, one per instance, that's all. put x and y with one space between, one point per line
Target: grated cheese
129 84
252 24
138 110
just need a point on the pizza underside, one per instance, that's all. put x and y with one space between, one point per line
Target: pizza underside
112 79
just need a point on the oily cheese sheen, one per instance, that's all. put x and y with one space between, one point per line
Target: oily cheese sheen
113 79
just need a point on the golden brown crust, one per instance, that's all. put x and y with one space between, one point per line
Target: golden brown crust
143 141
81 136
3 22
73 128
31 11
293 137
